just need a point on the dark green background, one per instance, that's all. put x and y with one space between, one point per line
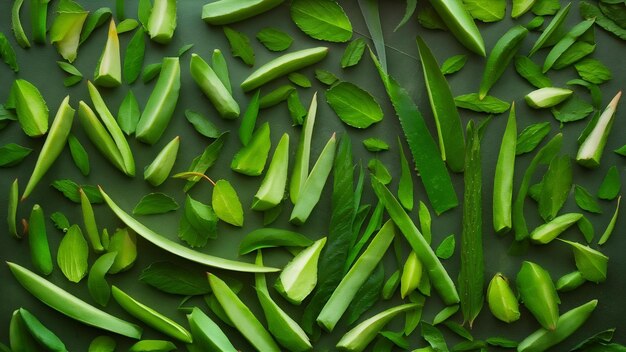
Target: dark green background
37 65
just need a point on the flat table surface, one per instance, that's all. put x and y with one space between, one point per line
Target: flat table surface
38 65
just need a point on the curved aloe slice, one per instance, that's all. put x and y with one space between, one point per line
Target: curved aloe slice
178 249
66 28
460 23
551 29
213 87
551 230
272 189
54 144
299 276
162 21
157 172
590 151
99 136
360 336
109 69
547 97
250 160
64 302
230 11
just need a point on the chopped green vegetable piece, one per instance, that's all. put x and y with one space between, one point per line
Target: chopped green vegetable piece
611 226
60 221
30 108
198 224
570 282
586 200
551 230
565 43
240 45
586 228
99 288
486 11
151 71
299 80
159 170
128 114
488 104
276 96
7 53
251 159
445 249
353 53
502 302
611 185
272 189
274 39
549 34
537 291
213 88
322 20
40 333
296 109
591 149
576 52
66 28
206 334
108 71
162 21
248 121
299 276
547 97
593 71
503 179
354 106
453 64
531 136
555 187
379 170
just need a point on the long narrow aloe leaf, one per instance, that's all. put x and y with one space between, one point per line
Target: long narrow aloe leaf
303 153
177 248
370 10
428 162
447 119
460 23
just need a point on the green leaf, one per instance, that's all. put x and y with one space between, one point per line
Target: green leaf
535 24
102 344
40 333
453 64
353 53
589 11
240 45
371 14
585 200
60 221
251 159
274 39
72 254
567 41
489 104
586 228
611 226
203 162
127 25
591 263
458 329
202 124
397 338
573 109
486 10
531 136
574 53
276 96
134 56
531 72
375 144
546 7
445 313
95 20
129 113
7 53
428 17
69 189
611 185
501 342
150 72
69 68
299 79
248 121
296 109
175 279
379 170
325 77
411 6
12 154
405 184
143 12
124 243
595 340
322 20
621 151
434 337
354 106
445 250
155 203
79 154
198 224
555 187
183 49
99 288
226 203
593 71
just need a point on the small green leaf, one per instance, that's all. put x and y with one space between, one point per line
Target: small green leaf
274 39
203 162
175 279
458 329
586 228
353 54
69 68
375 144
296 109
134 56
546 7
486 10
99 288
240 45
354 106
95 20
127 25
79 154
325 77
129 113
379 170
183 49
12 154
445 313
531 72
611 185
591 263
573 109
124 243
72 80
69 189
299 79
589 11
155 203
453 64
489 104
60 221
143 12
593 71
276 96
555 187
611 226
202 124
251 159
501 342
226 203
72 254
397 338
322 20
102 344
535 24
585 200
150 72
531 136
434 337
445 250
198 224
7 53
